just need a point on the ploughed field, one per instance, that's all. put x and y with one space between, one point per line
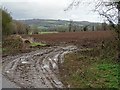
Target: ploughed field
74 37
41 68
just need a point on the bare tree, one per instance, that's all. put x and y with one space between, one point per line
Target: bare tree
104 26
70 25
85 28
110 10
93 28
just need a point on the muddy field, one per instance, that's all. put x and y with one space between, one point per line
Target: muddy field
74 37
37 69
40 68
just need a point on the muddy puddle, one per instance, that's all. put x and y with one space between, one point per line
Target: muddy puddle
37 69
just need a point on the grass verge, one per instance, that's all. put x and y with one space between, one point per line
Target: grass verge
90 68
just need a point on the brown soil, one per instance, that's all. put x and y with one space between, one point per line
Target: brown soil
81 38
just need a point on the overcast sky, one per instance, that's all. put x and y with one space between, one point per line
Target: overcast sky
50 9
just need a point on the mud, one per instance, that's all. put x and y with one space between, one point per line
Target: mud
37 69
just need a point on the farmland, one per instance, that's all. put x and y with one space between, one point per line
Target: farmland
79 38
60 44
46 45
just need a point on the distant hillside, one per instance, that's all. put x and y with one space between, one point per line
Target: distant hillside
49 23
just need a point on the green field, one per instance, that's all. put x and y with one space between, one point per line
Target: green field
47 32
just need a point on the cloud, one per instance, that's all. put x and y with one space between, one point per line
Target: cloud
49 9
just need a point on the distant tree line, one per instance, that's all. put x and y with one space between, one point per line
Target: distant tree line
10 26
19 28
72 27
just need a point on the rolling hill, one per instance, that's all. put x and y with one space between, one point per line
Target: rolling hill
51 24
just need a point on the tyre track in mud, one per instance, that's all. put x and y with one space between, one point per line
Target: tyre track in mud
38 69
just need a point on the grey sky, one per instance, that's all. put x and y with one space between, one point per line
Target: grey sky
50 9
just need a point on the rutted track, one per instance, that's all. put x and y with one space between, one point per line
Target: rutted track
38 69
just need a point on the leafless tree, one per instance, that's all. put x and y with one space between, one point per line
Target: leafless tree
110 10
70 25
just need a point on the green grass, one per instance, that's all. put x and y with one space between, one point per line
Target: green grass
37 44
44 33
90 68
107 73
47 32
